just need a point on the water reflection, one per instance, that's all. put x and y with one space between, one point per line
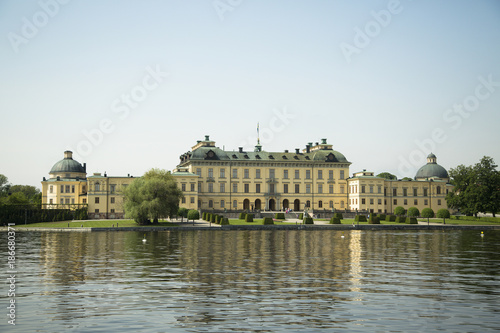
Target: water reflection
260 281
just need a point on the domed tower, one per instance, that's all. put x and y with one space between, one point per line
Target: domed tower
67 184
432 170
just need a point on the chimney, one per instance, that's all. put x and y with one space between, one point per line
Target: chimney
207 137
85 167
297 150
68 154
286 150
323 141
308 147
240 149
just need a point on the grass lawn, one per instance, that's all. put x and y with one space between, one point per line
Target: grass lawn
461 222
92 224
255 222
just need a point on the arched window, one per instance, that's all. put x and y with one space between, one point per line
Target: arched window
97 187
308 203
331 204
320 204
342 204
438 190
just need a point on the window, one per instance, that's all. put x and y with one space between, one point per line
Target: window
425 192
308 188
198 171
246 173
439 202
210 173
192 200
341 174
210 203
320 188
415 192
72 200
371 201
395 201
330 189
222 173
183 200
66 201
405 202
192 187
96 200
320 174
51 189
112 210
415 202
112 188
342 189
285 188
257 173
379 201
362 188
331 204
210 187
272 173
222 204
67 188
97 187
308 203
235 173
297 174
62 201
438 190
285 174
72 188
84 201
426 202
330 174
308 174
394 192
371 188
235 204
235 188
363 201
247 188
183 187
112 200
341 204
379 188
271 188
320 204
222 187
297 188
405 192
97 210
62 188
51 201
257 188
200 187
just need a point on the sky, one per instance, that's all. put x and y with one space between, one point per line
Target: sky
131 85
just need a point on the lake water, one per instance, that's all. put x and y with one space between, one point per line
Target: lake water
256 281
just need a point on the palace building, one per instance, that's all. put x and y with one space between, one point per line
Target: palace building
315 178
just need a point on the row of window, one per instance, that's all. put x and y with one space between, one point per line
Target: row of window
272 188
111 200
354 189
257 205
395 201
66 201
65 189
272 173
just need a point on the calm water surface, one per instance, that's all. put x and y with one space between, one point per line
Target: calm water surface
256 281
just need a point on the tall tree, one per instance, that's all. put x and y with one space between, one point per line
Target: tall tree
4 185
387 175
152 196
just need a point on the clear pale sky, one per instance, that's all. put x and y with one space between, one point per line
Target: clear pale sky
131 85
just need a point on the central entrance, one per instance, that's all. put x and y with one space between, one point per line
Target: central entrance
296 205
272 204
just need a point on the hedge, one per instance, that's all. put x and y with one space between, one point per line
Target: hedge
400 219
301 216
279 216
242 216
360 218
374 219
334 220
338 215
390 218
382 217
224 221
411 220
249 218
308 220
268 220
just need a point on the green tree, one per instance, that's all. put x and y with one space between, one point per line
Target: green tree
193 214
152 196
4 185
406 179
413 212
387 175
30 192
443 214
477 188
399 211
428 213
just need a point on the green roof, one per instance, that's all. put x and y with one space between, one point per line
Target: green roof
67 165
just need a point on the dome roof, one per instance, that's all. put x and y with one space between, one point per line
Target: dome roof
329 156
67 165
431 169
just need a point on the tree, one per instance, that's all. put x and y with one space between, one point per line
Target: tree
477 188
413 212
193 214
30 192
399 211
4 186
152 196
428 213
387 175
443 214
406 179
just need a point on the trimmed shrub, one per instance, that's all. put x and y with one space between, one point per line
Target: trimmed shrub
224 221
413 212
213 218
193 214
203 216
249 218
360 218
242 216
411 220
399 211
308 220
444 214
334 220
381 217
338 215
374 219
182 212
268 220
390 218
301 216
400 219
427 213
279 216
